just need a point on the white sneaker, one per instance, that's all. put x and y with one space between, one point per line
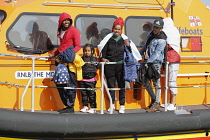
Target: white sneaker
171 107
92 111
112 107
163 105
84 109
122 109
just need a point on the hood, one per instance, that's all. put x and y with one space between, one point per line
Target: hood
62 17
168 22
172 33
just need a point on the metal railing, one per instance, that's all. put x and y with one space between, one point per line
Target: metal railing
89 5
103 81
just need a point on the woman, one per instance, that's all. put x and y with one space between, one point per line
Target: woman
112 50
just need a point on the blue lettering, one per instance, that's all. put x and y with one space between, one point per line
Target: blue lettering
23 74
197 31
38 74
182 31
201 32
50 74
185 31
18 74
29 74
191 32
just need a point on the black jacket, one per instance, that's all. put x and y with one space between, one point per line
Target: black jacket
90 67
147 74
113 51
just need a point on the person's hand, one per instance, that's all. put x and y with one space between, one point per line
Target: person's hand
104 60
50 55
127 43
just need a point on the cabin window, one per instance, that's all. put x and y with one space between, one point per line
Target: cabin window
192 44
2 16
94 28
33 33
138 27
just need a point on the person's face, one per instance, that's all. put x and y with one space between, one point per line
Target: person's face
117 30
156 30
87 51
65 24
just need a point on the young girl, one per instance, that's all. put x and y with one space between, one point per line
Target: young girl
89 80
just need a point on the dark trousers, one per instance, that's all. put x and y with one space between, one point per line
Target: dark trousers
113 73
68 95
150 91
88 96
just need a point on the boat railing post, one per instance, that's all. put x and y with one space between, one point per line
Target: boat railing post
110 98
24 93
107 91
102 87
166 86
32 88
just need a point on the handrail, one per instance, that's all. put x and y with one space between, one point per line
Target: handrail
104 5
24 93
31 79
103 83
194 56
166 86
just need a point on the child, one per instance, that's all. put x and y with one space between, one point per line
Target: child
89 80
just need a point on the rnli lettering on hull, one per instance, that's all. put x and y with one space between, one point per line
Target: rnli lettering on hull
37 74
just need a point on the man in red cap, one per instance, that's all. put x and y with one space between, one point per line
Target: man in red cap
69 37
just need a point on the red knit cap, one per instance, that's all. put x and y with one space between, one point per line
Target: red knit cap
92 29
119 21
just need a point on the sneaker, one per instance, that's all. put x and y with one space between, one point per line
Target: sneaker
149 105
67 110
122 109
163 105
154 107
92 111
84 109
171 107
112 107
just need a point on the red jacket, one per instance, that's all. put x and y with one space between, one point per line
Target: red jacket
70 38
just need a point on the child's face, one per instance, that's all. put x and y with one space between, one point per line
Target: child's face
87 51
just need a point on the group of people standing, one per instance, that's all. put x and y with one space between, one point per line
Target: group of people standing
112 49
